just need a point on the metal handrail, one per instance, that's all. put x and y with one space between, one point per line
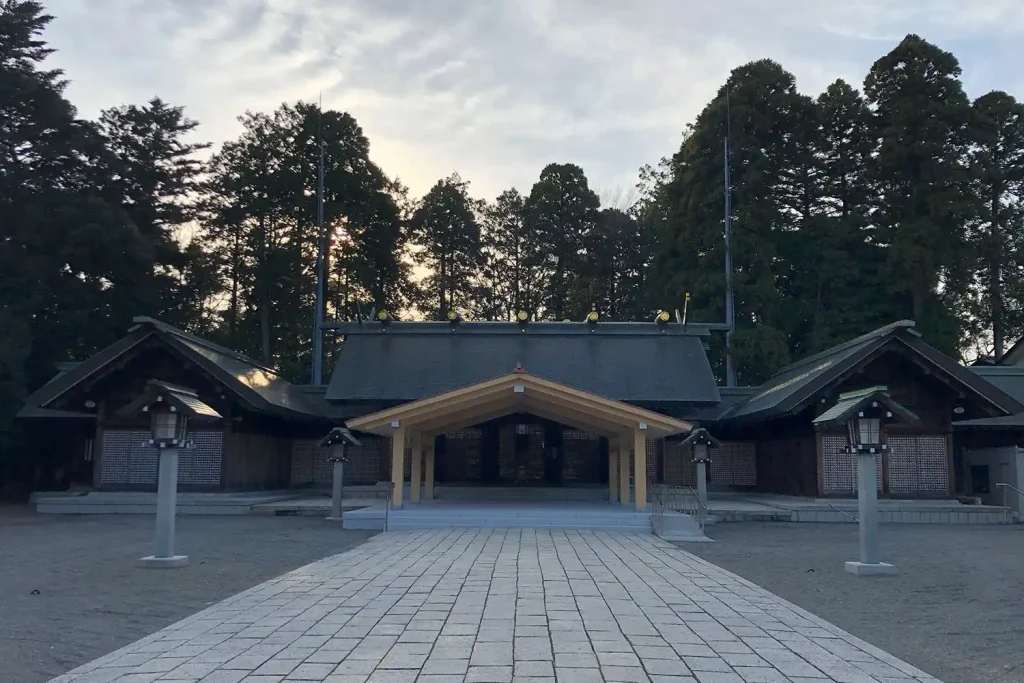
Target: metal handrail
1020 493
675 498
841 511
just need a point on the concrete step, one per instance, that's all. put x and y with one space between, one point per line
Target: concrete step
407 525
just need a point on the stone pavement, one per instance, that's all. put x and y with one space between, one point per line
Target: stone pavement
502 606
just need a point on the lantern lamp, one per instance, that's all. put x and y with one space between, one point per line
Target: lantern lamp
169 407
337 442
864 414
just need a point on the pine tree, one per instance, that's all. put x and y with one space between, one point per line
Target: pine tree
446 230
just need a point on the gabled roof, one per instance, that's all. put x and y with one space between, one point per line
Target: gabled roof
519 392
254 383
637 362
795 384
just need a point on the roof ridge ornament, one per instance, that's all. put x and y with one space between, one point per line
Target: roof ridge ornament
519 369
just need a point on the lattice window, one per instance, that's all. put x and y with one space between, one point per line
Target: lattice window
199 463
918 465
652 460
734 464
128 459
516 465
839 467
679 466
310 464
117 456
580 462
462 461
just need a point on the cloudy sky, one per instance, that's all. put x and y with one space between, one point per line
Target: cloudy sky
496 89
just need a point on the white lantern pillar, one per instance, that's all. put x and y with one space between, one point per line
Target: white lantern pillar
865 442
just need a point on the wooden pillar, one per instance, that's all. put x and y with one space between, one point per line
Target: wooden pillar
428 447
416 471
613 470
397 465
623 446
640 468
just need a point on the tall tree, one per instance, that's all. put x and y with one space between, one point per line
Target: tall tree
261 216
761 111
998 233
616 264
511 259
838 291
156 171
920 177
562 212
446 229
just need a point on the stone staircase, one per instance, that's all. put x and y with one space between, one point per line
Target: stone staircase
501 515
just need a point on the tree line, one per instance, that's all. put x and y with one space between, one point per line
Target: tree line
851 209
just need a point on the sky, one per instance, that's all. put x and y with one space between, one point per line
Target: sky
497 89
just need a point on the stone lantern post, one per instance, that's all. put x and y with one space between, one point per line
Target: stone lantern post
338 441
169 408
700 441
864 414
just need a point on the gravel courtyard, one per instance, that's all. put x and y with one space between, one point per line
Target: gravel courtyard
92 599
955 611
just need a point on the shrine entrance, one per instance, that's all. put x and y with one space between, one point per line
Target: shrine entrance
520 430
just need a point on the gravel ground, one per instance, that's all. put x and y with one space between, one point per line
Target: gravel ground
956 610
92 599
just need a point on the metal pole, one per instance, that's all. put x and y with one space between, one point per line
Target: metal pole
730 312
166 505
867 505
702 482
337 490
318 307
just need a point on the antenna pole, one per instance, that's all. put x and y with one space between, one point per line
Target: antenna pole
318 307
730 311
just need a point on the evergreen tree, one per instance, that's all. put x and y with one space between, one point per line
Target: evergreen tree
616 266
69 255
764 118
562 212
156 171
511 259
997 236
919 175
445 228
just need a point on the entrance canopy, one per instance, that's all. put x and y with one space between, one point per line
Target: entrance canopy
519 392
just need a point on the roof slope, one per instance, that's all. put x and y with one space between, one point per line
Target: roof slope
254 383
795 384
409 361
1008 378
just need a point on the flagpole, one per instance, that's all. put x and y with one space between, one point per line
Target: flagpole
318 307
730 310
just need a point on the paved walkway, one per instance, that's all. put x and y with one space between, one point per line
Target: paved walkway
496 606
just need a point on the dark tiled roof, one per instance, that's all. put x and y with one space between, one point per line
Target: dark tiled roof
1008 378
253 382
633 362
1010 422
795 384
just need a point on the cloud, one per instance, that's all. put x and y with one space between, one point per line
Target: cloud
496 90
